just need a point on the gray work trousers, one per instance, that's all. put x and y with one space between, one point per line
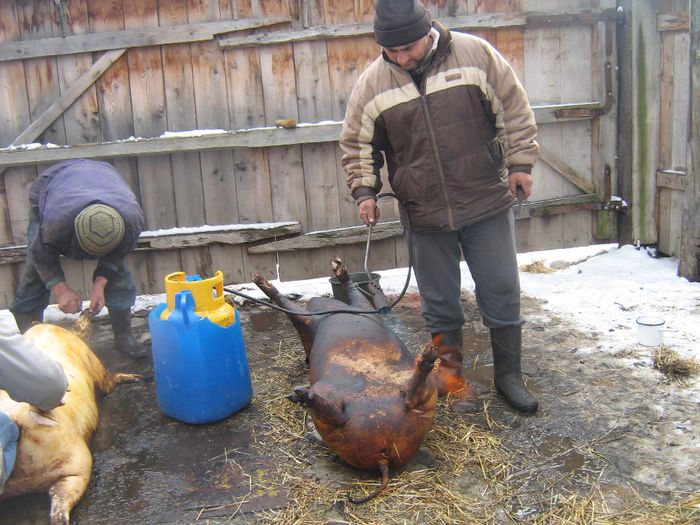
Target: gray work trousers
489 251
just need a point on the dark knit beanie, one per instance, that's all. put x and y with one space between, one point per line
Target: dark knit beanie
400 22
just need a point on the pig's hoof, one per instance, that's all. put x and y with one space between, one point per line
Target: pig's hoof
339 269
300 395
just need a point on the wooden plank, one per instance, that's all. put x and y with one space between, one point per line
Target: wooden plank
646 123
251 167
319 160
68 97
149 113
13 118
602 131
689 257
673 22
469 23
227 234
79 118
286 168
510 44
576 145
331 238
172 142
217 167
543 84
181 116
347 58
137 37
681 98
675 180
666 83
116 118
148 106
37 21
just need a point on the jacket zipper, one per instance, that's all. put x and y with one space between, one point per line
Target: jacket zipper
436 153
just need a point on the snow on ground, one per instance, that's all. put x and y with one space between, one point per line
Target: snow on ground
599 288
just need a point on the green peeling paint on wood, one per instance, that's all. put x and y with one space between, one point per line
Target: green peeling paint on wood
642 132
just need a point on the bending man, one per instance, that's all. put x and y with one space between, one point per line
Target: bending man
81 209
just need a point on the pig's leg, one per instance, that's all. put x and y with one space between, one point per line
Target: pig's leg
325 409
110 380
417 390
303 323
67 491
356 297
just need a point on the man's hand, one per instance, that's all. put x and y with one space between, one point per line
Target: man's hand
69 301
97 296
522 179
369 213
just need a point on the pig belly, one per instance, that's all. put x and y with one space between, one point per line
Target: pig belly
49 449
378 426
52 452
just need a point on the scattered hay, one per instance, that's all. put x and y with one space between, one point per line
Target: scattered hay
630 352
536 267
673 365
474 478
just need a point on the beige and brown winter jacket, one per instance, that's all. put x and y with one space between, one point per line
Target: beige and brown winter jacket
449 144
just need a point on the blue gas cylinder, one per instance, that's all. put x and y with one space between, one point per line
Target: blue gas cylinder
201 367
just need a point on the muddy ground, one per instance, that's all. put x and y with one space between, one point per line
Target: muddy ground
612 442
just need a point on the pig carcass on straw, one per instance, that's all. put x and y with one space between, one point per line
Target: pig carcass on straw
370 399
53 453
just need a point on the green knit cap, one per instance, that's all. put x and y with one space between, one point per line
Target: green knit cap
99 229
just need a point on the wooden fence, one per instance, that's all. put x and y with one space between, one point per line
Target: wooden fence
195 104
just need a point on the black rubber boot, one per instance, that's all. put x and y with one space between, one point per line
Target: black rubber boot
26 321
505 343
124 339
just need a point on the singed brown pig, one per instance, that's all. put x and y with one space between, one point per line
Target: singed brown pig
53 451
370 399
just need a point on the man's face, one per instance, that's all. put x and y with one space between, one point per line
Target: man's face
408 56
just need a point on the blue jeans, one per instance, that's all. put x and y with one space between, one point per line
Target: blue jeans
489 251
9 434
32 294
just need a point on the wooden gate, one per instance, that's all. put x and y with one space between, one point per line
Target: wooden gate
224 116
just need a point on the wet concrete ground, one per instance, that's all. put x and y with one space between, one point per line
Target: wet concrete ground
148 467
598 423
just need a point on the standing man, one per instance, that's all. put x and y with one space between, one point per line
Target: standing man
81 209
458 135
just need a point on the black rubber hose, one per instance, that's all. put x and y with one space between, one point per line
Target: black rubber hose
409 243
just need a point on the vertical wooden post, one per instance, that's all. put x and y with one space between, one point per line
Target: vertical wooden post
689 263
